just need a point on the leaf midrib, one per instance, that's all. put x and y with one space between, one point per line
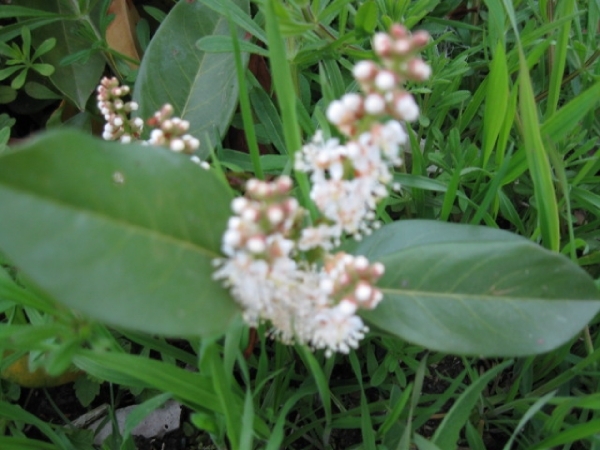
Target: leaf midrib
99 216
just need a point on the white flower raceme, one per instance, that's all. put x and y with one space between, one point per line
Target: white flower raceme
116 112
267 266
300 301
169 131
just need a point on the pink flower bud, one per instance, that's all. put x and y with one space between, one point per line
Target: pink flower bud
418 70
406 108
364 70
385 80
382 44
256 245
402 47
420 39
336 112
177 145
398 31
363 292
374 104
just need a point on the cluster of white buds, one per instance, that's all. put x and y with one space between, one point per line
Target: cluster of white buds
269 278
171 131
116 112
348 180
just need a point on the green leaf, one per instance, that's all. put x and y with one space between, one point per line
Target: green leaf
496 103
7 95
18 81
44 48
40 92
447 434
43 69
15 443
124 234
224 44
201 86
142 411
475 290
86 390
15 412
11 12
77 81
5 73
189 387
537 161
366 18
9 51
239 16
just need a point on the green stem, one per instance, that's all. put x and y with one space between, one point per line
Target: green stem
247 118
286 97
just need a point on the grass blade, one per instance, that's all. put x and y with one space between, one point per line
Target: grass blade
447 434
539 165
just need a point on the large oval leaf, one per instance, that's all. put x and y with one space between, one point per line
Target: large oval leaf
202 87
475 290
124 234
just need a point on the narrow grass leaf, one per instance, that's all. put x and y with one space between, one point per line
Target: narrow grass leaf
474 439
576 433
16 443
247 434
496 22
320 380
496 102
564 8
366 425
539 165
539 404
404 443
447 434
245 108
15 412
224 391
143 410
424 444
225 44
238 15
567 118
286 93
396 411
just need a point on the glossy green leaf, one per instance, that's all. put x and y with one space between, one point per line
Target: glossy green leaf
76 81
475 290
201 86
124 234
224 44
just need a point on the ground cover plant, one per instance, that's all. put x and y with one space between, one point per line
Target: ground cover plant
326 224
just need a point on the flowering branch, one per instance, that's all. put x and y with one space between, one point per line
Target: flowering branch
269 263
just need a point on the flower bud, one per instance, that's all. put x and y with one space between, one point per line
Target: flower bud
406 108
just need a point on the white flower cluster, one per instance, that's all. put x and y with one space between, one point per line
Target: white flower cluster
171 132
168 131
269 254
116 112
348 180
263 269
